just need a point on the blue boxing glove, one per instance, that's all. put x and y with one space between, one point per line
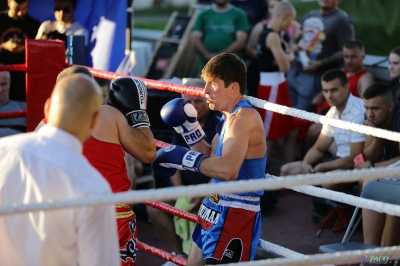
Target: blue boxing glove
182 117
173 157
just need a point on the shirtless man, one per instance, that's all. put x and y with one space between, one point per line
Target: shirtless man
238 152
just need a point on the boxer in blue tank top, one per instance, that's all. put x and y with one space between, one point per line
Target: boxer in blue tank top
230 224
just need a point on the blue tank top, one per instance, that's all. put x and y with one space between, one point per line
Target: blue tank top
251 168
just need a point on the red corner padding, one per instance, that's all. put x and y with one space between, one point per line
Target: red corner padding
44 60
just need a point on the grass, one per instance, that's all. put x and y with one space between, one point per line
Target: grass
375 21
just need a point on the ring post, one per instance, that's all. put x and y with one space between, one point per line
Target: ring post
44 60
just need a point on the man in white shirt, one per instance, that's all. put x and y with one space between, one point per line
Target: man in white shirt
64 23
346 107
49 165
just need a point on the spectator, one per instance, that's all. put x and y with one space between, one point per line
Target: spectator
382 112
64 25
221 28
346 107
162 221
288 36
255 10
16 26
394 70
37 166
323 33
13 125
359 79
251 46
274 63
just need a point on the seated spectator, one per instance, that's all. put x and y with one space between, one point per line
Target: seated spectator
359 80
346 107
382 112
64 25
394 70
13 125
16 26
162 221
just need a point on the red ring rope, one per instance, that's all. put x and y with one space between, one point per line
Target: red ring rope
160 85
16 67
160 253
14 114
172 210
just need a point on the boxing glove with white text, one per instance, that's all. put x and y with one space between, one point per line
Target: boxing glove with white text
129 95
182 117
173 157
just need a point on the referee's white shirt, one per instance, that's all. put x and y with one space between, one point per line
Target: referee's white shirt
353 112
49 165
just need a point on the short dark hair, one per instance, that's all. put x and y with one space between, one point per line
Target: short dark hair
72 70
229 68
396 51
335 74
73 2
378 89
20 1
354 44
102 82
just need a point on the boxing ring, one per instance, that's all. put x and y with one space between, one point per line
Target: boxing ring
45 59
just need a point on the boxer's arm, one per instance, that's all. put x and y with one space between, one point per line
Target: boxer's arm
235 147
138 142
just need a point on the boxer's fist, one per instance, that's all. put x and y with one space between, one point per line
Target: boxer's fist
129 95
183 117
175 157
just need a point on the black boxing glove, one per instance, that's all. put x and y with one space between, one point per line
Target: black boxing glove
129 95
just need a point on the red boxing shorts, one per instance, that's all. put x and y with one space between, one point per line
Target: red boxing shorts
274 88
229 228
126 222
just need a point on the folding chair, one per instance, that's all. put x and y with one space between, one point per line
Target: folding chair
383 190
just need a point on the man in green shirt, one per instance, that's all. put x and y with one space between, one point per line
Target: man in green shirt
221 28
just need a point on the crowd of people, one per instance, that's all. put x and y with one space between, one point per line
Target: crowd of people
104 129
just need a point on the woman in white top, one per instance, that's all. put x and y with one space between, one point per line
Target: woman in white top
64 23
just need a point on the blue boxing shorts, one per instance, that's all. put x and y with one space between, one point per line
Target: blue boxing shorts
229 228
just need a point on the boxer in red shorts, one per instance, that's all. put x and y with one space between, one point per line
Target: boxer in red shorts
123 125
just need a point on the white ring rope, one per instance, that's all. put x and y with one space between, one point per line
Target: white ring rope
285 252
327 258
376 132
208 189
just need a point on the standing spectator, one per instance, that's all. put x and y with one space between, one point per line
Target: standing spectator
65 24
382 112
162 221
346 107
251 46
16 26
13 125
255 9
274 63
49 164
323 33
394 70
221 28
